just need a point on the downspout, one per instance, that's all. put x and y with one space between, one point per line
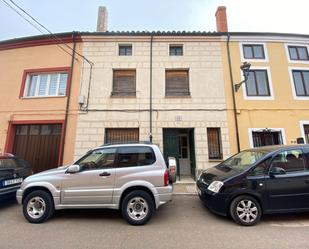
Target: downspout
68 98
150 93
233 93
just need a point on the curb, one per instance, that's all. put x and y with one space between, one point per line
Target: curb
192 194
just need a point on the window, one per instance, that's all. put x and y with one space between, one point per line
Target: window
124 83
176 50
125 50
261 168
253 51
289 160
135 156
183 146
214 143
298 53
8 163
301 82
257 83
266 137
121 135
46 84
177 83
103 158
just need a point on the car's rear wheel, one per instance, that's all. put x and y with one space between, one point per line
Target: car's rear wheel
38 206
137 207
245 210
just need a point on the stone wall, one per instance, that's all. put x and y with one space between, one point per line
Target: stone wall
204 108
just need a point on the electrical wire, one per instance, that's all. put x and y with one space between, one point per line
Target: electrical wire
46 29
37 28
41 25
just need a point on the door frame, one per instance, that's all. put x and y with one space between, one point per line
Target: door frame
10 137
191 148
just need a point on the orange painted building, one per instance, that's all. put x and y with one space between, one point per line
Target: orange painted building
39 84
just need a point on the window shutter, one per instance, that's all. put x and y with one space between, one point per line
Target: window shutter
121 135
177 82
124 83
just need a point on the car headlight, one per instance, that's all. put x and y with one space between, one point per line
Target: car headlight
215 186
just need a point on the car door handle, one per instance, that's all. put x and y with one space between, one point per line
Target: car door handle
307 181
105 174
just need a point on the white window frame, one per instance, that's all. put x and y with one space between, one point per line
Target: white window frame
286 45
292 82
242 57
250 130
302 130
125 44
27 84
271 97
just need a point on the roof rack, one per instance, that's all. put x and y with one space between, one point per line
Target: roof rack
128 142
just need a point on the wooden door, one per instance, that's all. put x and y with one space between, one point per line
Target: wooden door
38 144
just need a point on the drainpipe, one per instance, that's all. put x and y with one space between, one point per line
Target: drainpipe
233 93
150 93
68 98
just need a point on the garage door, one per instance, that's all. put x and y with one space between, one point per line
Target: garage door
121 135
38 144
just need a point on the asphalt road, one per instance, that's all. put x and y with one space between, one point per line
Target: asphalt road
183 223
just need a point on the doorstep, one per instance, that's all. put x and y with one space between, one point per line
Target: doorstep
185 187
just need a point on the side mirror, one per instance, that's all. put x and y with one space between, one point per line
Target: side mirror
75 168
277 171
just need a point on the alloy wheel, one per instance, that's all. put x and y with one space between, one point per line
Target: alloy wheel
36 207
137 208
247 211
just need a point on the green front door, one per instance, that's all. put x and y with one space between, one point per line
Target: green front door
171 145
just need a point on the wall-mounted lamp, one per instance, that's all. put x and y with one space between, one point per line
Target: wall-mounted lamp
245 67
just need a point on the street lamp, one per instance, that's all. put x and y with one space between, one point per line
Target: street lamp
245 67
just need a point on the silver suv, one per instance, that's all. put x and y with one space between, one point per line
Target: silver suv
130 177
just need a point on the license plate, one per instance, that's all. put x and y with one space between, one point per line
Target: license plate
12 181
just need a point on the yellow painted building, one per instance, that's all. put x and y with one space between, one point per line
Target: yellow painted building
272 106
38 98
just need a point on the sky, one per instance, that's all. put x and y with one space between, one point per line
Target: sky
283 16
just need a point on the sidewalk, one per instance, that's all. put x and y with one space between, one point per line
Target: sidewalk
185 187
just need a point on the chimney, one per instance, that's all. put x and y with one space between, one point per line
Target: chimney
221 19
102 19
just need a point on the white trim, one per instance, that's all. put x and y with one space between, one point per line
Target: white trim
243 59
271 97
292 82
302 130
38 81
250 130
288 54
270 38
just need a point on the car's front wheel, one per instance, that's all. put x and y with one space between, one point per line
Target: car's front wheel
38 206
137 207
245 210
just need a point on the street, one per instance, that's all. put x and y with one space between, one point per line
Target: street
183 223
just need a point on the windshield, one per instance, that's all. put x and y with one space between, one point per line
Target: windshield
243 160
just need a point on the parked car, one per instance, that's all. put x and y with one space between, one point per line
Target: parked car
13 171
130 177
258 181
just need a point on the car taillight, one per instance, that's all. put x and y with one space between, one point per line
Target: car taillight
166 178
